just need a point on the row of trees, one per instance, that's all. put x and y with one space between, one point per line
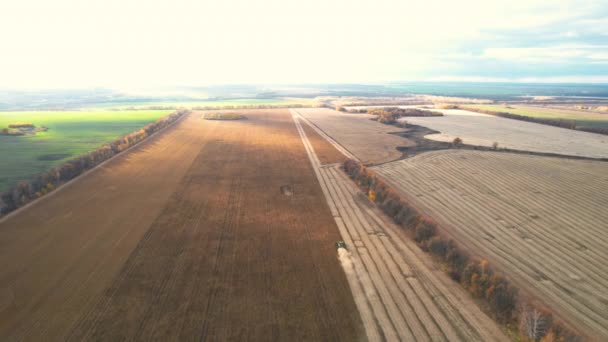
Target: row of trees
598 130
252 106
26 191
474 274
563 123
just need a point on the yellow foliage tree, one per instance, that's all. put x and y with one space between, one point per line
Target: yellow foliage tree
372 195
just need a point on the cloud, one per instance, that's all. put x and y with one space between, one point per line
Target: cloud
551 54
124 43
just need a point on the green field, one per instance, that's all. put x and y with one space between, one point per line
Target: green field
71 133
583 119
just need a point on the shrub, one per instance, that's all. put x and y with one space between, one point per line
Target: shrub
424 231
391 206
446 106
456 259
438 247
502 298
457 142
407 217
390 115
21 125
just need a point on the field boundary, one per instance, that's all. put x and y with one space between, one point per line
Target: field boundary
561 123
418 133
326 136
64 185
460 264
397 292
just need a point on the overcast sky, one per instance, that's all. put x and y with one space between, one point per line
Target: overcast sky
122 43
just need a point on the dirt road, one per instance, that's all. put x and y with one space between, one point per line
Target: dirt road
213 230
398 291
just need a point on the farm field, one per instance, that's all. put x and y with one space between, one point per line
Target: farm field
483 130
398 291
210 230
368 141
541 220
582 118
70 134
193 104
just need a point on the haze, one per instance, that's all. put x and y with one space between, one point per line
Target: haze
68 43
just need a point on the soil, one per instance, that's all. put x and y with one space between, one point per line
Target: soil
326 153
187 236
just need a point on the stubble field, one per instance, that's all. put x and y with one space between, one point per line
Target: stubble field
481 129
400 294
541 220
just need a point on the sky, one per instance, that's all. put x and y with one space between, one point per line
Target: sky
125 43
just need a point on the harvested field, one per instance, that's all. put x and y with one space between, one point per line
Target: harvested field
541 220
189 235
369 141
326 153
398 291
583 118
483 130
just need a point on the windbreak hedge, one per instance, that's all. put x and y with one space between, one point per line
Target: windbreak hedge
474 274
26 191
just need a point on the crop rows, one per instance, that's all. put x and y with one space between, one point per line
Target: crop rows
398 296
541 220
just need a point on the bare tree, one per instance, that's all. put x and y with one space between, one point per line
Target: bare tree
534 323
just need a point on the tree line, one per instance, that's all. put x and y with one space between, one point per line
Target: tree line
474 274
563 123
26 191
390 115
252 106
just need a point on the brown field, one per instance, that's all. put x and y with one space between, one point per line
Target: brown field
398 291
543 221
188 236
326 153
368 141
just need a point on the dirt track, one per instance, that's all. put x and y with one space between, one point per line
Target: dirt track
543 221
187 236
397 290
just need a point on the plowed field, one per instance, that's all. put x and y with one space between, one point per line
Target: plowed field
212 230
